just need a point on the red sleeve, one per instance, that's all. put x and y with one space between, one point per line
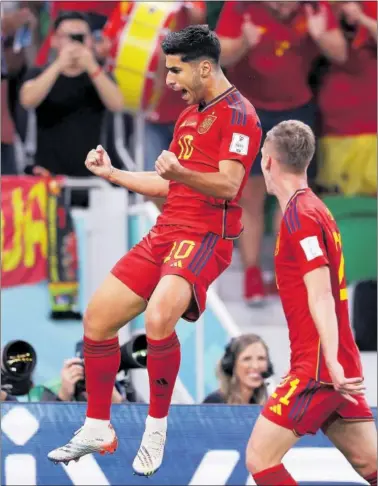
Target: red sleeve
306 240
332 22
241 135
230 21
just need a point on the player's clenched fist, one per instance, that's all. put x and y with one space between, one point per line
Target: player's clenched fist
99 163
167 166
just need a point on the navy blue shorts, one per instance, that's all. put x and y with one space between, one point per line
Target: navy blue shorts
269 119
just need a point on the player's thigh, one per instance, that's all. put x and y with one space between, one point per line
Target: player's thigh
112 306
198 259
169 301
357 441
268 444
125 292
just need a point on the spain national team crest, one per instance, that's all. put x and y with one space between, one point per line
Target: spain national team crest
206 124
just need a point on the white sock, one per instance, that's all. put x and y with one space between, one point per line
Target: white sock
96 424
159 424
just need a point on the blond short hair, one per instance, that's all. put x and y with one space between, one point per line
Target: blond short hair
294 144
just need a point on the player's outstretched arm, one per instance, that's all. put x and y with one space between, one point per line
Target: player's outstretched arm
323 311
146 183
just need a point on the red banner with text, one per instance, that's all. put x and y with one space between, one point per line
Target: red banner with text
23 230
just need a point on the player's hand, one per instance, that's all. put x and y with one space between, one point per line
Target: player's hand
72 372
316 21
251 32
167 166
99 163
346 386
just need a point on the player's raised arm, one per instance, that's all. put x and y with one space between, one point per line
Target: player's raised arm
309 248
145 183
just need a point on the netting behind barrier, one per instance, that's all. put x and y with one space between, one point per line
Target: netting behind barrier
205 446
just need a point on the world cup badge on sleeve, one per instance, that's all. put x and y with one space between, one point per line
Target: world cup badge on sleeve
206 124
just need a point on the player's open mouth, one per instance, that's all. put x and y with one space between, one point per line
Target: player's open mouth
184 94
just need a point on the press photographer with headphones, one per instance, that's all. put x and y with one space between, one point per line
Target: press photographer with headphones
242 372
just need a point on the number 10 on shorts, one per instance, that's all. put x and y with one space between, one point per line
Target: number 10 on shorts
180 251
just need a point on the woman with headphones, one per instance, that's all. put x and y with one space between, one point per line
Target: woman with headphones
242 372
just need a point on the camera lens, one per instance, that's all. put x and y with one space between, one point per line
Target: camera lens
19 359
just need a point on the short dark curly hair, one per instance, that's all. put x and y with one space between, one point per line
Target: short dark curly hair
70 15
193 43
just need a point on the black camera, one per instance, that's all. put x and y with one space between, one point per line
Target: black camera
133 355
78 38
18 361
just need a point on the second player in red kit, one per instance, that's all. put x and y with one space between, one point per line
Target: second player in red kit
324 388
167 274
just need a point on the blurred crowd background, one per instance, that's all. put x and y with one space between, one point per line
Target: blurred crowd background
75 74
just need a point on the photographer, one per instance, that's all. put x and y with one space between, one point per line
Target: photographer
70 97
5 397
242 372
72 386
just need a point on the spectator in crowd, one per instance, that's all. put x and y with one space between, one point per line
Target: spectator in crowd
71 387
268 48
8 161
70 97
20 31
97 14
242 372
348 106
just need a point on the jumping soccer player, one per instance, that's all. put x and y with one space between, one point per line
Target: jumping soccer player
167 274
324 388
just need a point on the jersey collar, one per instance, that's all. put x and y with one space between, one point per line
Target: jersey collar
203 106
296 194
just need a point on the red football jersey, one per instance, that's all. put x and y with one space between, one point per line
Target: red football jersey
226 128
309 238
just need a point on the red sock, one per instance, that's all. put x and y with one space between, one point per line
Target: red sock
274 476
163 364
102 360
372 479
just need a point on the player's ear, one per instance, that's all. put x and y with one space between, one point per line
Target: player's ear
205 69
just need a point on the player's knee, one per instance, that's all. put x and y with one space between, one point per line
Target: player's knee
364 463
158 324
94 327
